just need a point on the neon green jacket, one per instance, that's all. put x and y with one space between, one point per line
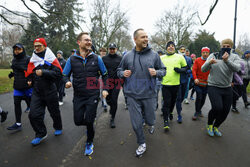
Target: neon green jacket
170 62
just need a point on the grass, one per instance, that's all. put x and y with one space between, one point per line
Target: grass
6 84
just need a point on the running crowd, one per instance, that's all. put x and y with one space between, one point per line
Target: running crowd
141 73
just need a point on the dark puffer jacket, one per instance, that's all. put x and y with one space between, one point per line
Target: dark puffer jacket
62 62
45 85
112 62
86 73
19 65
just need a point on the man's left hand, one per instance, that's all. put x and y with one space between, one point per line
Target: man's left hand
152 71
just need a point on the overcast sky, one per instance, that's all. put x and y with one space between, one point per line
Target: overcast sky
144 13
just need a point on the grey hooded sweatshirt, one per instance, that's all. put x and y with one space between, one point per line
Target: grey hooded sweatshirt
221 73
141 85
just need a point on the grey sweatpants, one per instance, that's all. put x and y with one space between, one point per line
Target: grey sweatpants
139 109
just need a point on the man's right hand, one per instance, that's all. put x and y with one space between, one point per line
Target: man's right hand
127 73
68 84
212 61
196 81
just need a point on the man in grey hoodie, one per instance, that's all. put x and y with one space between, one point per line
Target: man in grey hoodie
139 68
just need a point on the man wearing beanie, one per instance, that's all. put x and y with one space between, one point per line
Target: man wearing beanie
61 83
43 72
175 65
22 91
200 80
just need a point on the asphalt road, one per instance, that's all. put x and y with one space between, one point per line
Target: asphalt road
186 144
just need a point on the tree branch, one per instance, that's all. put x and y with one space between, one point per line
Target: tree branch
210 12
43 20
14 23
46 10
13 12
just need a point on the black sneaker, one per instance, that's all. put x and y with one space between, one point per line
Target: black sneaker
171 116
112 123
151 129
105 109
126 106
3 115
235 110
27 110
15 127
247 104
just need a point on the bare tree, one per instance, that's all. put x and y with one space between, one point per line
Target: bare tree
107 19
9 37
174 25
243 44
123 40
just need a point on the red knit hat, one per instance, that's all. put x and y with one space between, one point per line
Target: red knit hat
41 40
205 49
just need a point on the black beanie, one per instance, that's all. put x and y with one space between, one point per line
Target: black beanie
169 43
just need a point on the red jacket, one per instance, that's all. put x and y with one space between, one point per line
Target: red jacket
198 74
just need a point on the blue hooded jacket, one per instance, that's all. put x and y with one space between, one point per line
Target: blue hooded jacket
184 76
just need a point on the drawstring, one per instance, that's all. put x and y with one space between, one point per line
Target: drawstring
139 60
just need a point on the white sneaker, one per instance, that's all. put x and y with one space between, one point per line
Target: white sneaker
140 150
186 101
60 103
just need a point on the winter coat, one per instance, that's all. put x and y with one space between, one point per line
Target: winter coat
51 73
111 63
86 73
19 66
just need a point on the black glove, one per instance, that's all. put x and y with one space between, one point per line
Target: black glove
178 70
11 74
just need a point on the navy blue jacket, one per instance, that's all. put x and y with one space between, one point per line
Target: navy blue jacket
184 76
86 73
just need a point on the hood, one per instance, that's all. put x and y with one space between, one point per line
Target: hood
148 48
244 55
144 50
21 55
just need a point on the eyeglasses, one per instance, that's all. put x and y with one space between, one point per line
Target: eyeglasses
38 46
87 40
